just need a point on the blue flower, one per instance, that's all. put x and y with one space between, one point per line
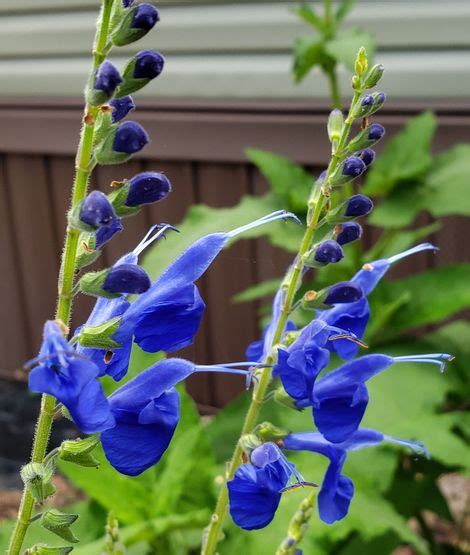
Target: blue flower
148 64
255 490
355 316
107 78
147 410
340 398
145 17
349 232
130 138
121 107
71 378
337 489
96 210
147 187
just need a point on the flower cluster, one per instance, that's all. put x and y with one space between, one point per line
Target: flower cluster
337 397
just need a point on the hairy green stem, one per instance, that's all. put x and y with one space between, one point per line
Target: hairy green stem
290 285
298 525
335 94
66 277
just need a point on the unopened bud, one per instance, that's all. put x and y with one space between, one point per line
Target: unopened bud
374 76
141 69
367 156
366 138
59 524
326 252
361 62
369 105
355 207
121 107
351 168
121 143
135 24
105 82
95 211
340 293
348 232
335 125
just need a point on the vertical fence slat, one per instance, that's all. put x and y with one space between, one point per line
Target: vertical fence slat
232 326
34 238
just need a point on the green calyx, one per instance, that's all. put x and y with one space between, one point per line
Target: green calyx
92 284
59 524
269 432
37 478
130 84
124 33
42 549
79 451
118 199
100 337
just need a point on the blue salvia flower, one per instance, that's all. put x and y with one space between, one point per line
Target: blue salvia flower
255 490
340 398
121 107
72 379
349 232
167 316
147 187
147 411
337 489
355 316
96 210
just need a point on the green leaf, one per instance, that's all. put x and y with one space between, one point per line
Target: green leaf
268 287
345 46
308 14
308 53
406 157
435 295
289 181
344 8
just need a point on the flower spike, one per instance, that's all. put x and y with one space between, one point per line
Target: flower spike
413 250
434 358
278 215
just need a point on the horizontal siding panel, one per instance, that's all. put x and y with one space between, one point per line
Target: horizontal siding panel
227 28
414 74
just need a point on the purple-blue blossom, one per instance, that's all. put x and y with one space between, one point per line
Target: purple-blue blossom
147 187
96 210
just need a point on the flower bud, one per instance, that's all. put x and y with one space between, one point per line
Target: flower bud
78 451
105 82
113 282
366 138
127 3
351 168
135 24
104 234
358 205
374 76
36 477
367 156
361 62
42 549
59 524
326 252
340 293
349 232
335 125
121 107
369 105
147 187
121 143
142 68
96 211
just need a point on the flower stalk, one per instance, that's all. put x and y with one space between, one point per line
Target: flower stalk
290 285
298 525
84 168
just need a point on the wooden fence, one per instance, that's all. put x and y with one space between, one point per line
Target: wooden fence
200 146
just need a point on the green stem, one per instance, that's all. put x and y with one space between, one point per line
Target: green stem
66 277
335 94
290 284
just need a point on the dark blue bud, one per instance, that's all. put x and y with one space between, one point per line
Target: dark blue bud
353 167
376 132
367 156
147 187
121 107
126 278
358 205
367 101
145 17
350 231
104 234
381 98
148 64
107 78
130 138
127 3
96 210
328 252
343 292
